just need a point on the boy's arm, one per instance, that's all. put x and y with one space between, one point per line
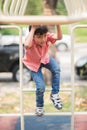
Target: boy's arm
29 39
55 36
59 32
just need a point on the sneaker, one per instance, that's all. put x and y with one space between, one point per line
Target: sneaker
39 111
56 101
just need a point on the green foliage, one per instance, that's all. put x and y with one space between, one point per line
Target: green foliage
1 4
61 9
34 7
65 29
9 31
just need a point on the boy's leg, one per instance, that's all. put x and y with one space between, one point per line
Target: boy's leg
40 88
54 67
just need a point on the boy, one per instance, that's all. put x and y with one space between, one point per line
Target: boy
36 57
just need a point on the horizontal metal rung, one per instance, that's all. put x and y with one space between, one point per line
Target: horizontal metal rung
48 113
33 114
48 89
37 20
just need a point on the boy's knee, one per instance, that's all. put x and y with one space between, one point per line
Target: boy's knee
40 90
56 71
40 85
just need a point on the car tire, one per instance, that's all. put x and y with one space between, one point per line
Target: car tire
26 74
62 47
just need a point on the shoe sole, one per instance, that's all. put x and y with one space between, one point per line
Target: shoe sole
58 108
39 115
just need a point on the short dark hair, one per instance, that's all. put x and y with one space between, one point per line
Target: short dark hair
40 30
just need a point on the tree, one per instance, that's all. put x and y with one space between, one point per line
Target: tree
51 4
34 7
56 6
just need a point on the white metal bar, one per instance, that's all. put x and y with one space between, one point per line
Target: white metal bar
74 7
5 7
36 20
59 113
21 80
23 7
72 78
28 114
16 12
79 26
47 89
51 113
12 7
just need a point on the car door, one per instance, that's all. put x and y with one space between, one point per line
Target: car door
4 59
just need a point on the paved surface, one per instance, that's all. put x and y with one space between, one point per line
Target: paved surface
81 122
44 123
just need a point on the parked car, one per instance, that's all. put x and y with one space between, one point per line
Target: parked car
9 57
81 67
64 44
9 62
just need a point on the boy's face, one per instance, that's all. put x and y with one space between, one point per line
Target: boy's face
40 39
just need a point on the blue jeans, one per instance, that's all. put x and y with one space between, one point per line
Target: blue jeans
38 78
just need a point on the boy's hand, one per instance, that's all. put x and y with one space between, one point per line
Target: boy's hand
35 26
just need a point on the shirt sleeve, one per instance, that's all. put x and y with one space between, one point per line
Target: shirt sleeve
28 48
51 37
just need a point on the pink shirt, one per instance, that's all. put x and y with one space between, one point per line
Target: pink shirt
35 55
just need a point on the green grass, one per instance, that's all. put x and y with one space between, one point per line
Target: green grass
10 103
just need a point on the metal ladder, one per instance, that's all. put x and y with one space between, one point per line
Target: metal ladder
26 90
75 15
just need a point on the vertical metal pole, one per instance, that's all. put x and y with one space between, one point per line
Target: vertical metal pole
72 70
72 77
21 70
21 79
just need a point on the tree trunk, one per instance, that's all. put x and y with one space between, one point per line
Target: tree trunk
51 4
